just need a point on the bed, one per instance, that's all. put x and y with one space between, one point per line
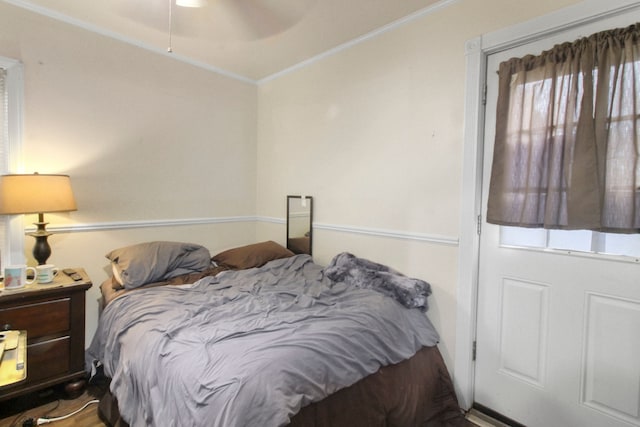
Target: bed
260 336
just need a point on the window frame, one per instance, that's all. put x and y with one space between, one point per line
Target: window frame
12 246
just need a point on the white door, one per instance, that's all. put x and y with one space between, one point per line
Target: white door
558 332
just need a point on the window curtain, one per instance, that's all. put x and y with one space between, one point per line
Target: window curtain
567 137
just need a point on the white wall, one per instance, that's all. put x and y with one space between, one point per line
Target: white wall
144 138
375 134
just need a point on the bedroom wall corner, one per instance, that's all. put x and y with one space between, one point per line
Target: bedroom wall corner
144 137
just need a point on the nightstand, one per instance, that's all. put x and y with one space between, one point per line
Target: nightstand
53 317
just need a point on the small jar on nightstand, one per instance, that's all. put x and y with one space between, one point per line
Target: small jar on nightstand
53 317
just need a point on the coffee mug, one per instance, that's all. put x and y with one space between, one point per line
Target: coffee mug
15 276
46 272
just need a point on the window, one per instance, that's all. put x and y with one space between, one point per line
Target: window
582 241
11 94
4 137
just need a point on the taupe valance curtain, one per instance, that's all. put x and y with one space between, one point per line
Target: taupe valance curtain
567 137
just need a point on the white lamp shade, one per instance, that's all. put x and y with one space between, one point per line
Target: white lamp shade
35 193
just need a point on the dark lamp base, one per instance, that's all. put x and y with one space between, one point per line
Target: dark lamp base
41 250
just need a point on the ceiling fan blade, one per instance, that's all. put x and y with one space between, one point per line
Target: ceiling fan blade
191 3
220 20
258 19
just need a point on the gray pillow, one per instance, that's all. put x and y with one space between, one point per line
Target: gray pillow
136 265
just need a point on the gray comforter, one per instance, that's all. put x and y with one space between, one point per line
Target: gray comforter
249 347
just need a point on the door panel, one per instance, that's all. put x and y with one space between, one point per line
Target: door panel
615 392
523 330
558 335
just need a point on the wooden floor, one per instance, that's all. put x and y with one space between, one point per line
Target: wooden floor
483 420
52 403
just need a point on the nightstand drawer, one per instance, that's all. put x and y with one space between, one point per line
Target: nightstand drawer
53 318
40 318
47 359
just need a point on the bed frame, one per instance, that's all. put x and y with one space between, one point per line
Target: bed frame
415 392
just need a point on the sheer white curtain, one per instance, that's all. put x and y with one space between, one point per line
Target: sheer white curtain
12 237
4 138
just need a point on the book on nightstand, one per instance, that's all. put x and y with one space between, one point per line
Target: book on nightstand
13 364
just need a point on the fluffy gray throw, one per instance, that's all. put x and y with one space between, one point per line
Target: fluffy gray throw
346 267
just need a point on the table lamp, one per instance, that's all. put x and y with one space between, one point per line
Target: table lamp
36 193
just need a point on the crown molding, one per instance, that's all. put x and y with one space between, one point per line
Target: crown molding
49 13
375 33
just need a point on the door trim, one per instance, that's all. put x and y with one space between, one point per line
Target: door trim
476 52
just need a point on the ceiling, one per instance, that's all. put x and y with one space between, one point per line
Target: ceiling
246 39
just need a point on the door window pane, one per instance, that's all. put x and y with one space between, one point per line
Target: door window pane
574 240
622 244
578 240
520 236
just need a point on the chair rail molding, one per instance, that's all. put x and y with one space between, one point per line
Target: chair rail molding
123 225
